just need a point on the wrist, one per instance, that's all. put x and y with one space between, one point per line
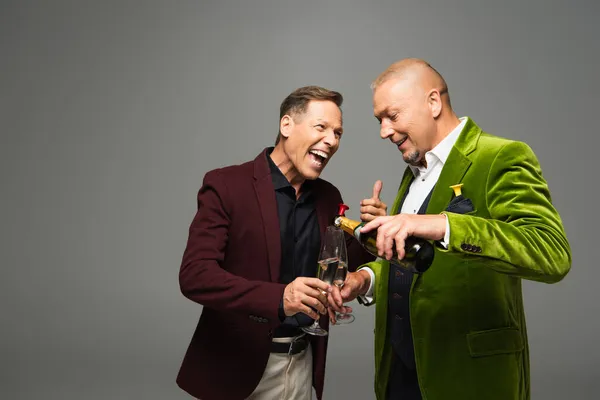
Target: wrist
365 281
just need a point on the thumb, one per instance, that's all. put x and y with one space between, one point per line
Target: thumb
377 189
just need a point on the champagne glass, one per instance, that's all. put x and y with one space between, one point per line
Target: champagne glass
331 259
340 274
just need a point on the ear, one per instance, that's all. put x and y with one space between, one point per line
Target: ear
434 100
285 126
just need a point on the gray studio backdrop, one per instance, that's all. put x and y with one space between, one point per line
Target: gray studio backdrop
112 111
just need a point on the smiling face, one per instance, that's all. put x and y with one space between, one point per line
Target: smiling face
406 117
310 140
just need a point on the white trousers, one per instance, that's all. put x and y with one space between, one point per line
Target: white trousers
286 377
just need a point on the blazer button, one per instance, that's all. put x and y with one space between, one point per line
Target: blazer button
399 273
463 246
397 296
399 318
478 249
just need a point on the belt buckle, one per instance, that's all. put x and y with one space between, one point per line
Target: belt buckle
294 341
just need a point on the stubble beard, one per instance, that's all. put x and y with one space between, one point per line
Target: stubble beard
414 158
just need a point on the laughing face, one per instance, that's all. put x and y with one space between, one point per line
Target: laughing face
311 140
406 118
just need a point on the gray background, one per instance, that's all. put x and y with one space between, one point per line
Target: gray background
111 113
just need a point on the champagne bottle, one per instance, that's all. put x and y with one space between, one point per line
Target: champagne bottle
418 252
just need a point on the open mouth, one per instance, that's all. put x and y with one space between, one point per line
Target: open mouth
401 142
318 157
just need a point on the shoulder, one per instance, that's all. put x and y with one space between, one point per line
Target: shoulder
488 142
496 146
236 173
226 183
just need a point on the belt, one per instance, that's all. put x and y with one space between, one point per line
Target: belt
296 346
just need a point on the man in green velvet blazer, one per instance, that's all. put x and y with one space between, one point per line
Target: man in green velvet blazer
458 330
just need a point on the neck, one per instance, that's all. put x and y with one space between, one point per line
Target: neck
445 125
287 168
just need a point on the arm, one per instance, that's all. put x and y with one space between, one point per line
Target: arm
524 235
202 278
373 269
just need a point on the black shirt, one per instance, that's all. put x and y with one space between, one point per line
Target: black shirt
300 240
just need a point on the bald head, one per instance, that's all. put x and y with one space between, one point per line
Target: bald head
418 74
412 105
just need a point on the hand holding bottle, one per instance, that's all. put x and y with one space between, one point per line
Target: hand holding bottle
416 253
393 231
373 207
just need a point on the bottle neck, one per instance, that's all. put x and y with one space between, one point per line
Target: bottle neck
348 225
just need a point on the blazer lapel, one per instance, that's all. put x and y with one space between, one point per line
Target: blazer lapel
265 195
442 193
455 168
407 178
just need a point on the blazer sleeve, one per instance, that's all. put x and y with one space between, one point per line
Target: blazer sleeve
377 267
524 235
202 278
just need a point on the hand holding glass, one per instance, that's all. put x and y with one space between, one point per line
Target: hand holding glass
332 269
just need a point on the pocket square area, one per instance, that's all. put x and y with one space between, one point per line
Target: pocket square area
460 205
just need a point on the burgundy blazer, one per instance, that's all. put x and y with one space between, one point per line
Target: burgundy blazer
231 266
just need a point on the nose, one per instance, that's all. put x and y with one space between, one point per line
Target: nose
331 138
386 130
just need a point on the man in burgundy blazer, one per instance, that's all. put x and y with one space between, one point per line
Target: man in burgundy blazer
240 262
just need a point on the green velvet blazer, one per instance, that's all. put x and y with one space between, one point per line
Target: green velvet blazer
466 311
